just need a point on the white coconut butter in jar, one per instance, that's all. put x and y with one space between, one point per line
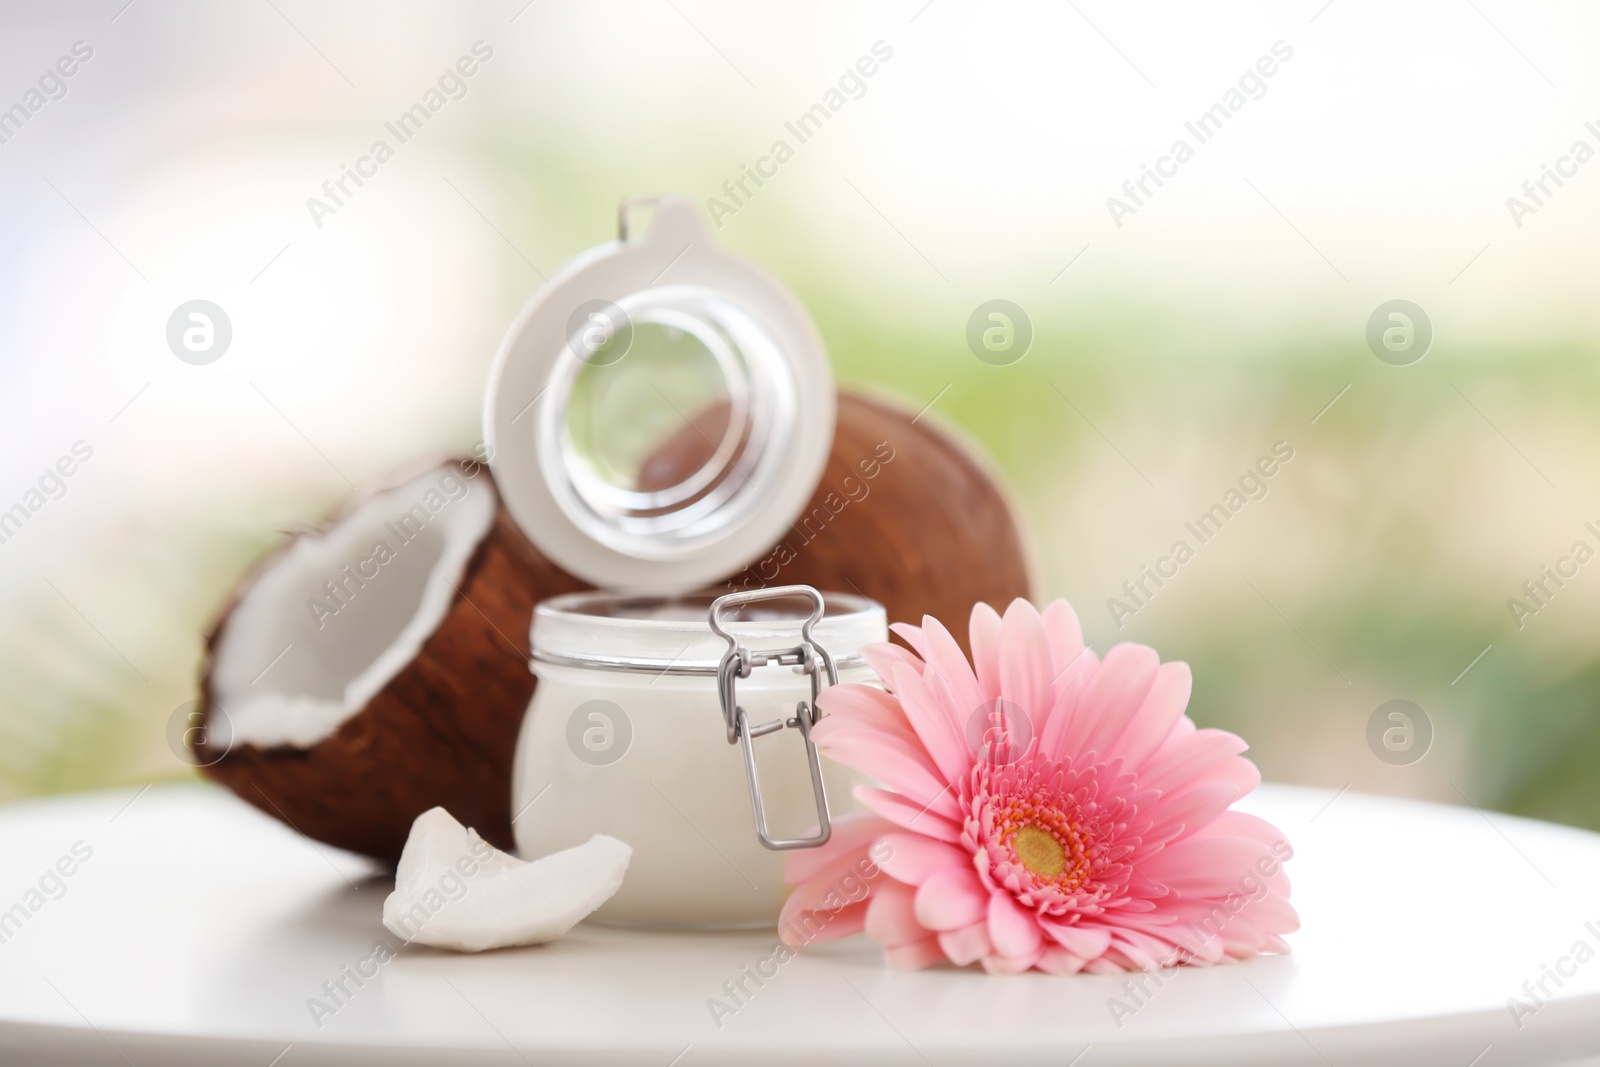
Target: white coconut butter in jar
626 736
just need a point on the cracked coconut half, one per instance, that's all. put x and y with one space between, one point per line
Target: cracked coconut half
377 667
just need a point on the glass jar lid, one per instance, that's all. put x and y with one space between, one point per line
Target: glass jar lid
660 411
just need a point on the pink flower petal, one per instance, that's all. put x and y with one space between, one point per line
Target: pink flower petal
1026 676
1114 696
1206 867
799 926
1135 906
1184 758
961 724
1274 913
1190 810
945 657
1057 960
837 885
893 762
1015 932
1160 711
892 918
882 658
984 633
935 724
1138 951
1087 942
1241 936
843 923
1185 941
1243 824
911 635
1202 947
1104 965
913 858
951 899
1064 632
1238 772
900 811
1053 738
1010 965
865 705
1221 927
916 956
853 833
1238 824
966 945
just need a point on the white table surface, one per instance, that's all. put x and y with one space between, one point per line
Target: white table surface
199 929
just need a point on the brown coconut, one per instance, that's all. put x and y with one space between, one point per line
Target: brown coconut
441 728
904 514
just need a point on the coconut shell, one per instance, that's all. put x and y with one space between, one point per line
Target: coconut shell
442 732
927 531
903 514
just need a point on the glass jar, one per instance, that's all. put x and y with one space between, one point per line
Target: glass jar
628 734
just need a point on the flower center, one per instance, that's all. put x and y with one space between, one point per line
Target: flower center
1045 842
1051 828
1039 851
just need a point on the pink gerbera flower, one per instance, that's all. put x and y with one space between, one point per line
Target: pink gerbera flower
1039 808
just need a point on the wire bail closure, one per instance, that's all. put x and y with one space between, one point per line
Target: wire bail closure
738 662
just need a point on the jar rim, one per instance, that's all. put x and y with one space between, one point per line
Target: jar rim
672 635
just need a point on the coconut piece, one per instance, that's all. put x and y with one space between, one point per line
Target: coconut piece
454 890
378 666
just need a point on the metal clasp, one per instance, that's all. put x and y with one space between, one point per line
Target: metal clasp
808 658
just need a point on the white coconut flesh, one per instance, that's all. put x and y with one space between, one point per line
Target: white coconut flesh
454 890
340 612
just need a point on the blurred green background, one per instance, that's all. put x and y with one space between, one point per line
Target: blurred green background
1226 315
